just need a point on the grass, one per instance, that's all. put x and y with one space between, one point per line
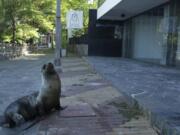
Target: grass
129 112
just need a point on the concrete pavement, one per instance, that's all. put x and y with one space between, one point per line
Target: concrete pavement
95 107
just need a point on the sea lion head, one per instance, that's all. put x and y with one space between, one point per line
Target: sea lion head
48 69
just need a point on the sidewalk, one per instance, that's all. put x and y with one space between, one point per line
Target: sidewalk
95 107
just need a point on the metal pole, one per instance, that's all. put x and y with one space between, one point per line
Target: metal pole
57 60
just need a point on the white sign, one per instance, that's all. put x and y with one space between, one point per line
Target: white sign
75 19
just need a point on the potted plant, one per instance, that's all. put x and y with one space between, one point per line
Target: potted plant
64 44
63 52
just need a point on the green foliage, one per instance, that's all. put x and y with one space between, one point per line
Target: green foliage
100 2
64 38
26 32
22 20
78 33
6 38
26 19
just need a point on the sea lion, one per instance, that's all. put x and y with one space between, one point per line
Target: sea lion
50 92
38 103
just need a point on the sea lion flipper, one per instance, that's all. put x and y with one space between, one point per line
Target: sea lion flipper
18 118
62 108
2 121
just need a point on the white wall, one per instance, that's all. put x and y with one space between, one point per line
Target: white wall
178 47
147 41
106 6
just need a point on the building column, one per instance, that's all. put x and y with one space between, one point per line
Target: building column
127 49
172 37
164 29
124 40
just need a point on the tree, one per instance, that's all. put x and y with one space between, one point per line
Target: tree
21 20
12 10
26 19
2 22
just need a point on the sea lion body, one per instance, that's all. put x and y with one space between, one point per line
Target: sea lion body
49 94
21 110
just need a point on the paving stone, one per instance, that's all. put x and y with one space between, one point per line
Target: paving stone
78 79
76 73
98 96
80 88
63 131
75 69
80 110
41 133
72 65
52 131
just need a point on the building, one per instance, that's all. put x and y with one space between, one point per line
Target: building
147 30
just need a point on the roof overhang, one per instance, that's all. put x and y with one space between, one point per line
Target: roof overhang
124 9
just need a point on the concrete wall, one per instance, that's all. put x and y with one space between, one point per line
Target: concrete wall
147 41
78 49
82 50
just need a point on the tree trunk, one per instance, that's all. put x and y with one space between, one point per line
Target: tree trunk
14 33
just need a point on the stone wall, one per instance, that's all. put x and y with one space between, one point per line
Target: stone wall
78 49
7 51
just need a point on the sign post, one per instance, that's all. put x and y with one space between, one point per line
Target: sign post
57 60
